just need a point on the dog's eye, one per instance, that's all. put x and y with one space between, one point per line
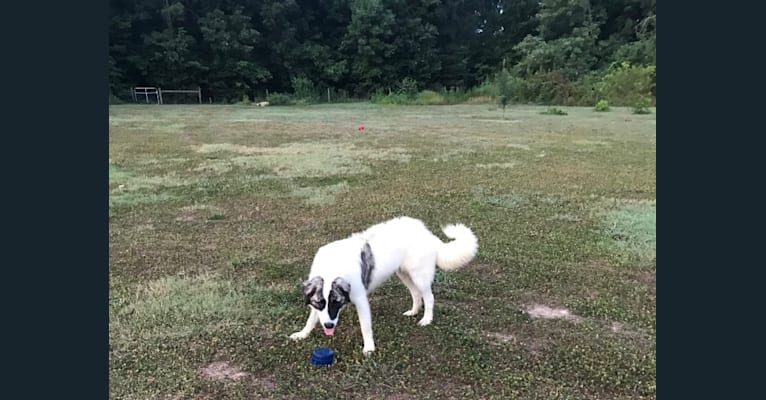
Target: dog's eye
319 305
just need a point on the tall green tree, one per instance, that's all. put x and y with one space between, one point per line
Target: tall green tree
169 59
388 41
567 42
280 19
415 55
456 23
318 58
231 63
368 45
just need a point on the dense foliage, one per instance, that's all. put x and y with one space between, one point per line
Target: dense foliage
556 51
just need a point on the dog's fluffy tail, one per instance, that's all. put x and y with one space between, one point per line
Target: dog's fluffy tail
458 252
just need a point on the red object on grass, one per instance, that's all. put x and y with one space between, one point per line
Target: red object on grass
360 128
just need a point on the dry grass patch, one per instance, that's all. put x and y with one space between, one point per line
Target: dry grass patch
227 147
320 195
505 165
518 146
587 142
122 180
178 306
132 199
310 159
198 212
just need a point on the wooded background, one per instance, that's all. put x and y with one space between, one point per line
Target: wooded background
553 51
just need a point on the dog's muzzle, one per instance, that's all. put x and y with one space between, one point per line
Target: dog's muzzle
329 328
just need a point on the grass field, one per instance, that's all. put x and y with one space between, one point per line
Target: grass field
215 213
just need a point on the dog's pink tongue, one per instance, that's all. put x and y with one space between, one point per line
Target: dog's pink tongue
329 331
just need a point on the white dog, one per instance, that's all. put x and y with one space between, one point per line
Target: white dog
347 270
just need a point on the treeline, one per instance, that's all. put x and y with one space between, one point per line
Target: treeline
555 51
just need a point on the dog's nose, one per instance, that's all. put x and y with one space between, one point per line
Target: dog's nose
329 325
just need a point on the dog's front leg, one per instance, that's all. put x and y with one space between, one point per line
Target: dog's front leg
312 321
365 322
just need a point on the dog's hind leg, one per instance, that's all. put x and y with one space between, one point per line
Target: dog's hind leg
312 321
428 302
423 284
414 292
422 276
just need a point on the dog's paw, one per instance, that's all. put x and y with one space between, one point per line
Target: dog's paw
298 336
367 350
425 321
410 313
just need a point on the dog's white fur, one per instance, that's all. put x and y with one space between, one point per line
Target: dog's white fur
403 246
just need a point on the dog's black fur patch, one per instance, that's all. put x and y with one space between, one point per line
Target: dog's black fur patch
368 265
339 296
312 292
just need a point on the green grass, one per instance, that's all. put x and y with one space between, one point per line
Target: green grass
632 229
216 213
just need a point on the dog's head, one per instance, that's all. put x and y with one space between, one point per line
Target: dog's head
328 301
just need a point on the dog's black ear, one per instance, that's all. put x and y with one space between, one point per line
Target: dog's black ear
311 286
343 288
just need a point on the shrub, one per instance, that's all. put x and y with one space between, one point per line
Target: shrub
641 106
395 98
553 111
303 89
523 91
587 89
546 88
407 87
429 97
280 99
245 100
114 99
556 88
602 105
455 95
625 84
486 89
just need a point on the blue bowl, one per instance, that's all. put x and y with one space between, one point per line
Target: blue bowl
322 356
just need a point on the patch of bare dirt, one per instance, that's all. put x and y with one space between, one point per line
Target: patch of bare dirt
265 383
488 269
223 371
502 338
533 346
648 278
539 311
